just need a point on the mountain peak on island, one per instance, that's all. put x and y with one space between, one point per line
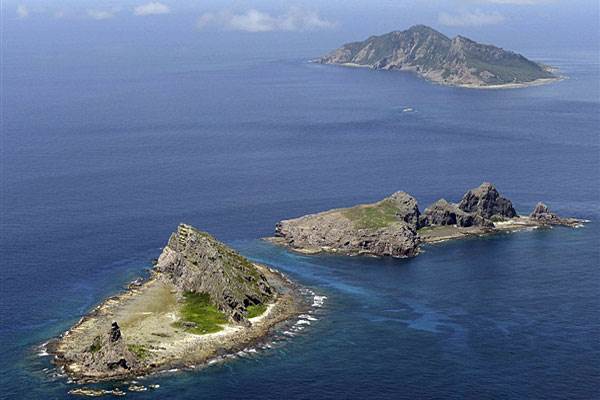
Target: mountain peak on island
459 61
196 262
420 28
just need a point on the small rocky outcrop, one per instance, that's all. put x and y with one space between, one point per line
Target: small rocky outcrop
479 207
542 214
108 354
486 202
443 213
196 262
407 208
386 228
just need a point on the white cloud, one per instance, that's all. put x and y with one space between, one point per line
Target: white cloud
100 14
22 11
296 19
470 18
152 8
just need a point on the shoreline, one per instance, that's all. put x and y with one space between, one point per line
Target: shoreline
519 85
279 241
439 234
170 349
537 82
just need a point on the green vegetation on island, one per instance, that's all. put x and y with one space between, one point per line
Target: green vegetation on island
256 310
139 350
199 315
373 216
456 61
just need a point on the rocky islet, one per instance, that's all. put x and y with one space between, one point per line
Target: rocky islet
395 227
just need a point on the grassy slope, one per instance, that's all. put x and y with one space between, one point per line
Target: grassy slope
198 308
373 216
508 71
256 310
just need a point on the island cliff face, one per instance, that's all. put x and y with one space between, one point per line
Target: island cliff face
478 207
202 300
388 227
395 227
435 57
195 262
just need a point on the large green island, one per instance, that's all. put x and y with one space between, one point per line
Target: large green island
432 55
202 300
395 226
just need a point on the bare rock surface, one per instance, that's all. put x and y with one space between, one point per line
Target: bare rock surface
542 214
443 213
108 354
486 202
387 228
196 262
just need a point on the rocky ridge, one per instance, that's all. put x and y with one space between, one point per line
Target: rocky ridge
479 207
433 56
196 262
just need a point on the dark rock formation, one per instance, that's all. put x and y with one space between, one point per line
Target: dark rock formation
115 332
196 262
443 213
478 207
109 353
457 61
440 213
407 208
486 202
542 214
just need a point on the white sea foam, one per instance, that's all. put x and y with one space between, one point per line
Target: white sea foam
43 350
318 301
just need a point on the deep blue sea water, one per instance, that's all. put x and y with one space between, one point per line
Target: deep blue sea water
101 161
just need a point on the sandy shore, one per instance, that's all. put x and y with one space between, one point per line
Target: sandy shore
146 315
444 233
537 82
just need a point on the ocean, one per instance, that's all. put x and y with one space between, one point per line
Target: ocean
104 154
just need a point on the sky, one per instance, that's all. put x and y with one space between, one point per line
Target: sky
282 27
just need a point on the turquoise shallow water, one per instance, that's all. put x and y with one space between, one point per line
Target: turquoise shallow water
99 168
